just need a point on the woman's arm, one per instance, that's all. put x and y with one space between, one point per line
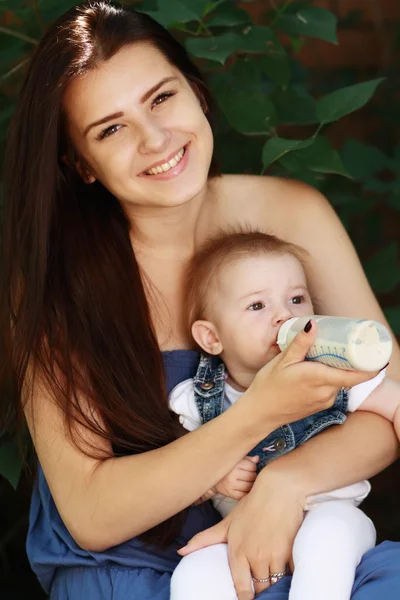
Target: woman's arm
336 278
298 213
261 529
105 502
337 457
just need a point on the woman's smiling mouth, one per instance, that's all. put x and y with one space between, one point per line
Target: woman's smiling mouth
163 167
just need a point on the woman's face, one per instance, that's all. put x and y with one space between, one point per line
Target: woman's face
140 129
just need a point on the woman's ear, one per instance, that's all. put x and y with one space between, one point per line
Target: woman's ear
79 166
84 172
206 336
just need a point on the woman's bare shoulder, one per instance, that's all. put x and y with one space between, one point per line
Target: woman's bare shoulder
264 201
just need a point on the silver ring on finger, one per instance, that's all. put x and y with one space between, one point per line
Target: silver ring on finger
265 580
275 577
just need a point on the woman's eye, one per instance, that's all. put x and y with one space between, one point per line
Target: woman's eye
297 299
108 131
161 98
256 306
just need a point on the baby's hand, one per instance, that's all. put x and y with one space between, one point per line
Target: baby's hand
240 480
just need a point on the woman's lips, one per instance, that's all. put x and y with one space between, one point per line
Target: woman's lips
173 171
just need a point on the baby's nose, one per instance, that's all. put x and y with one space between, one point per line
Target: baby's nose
282 315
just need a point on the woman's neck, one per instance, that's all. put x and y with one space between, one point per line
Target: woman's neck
168 231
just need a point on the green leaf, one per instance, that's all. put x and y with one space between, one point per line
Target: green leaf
276 67
175 11
322 158
343 198
10 462
296 5
297 43
312 21
393 316
54 8
246 74
228 15
396 158
211 6
362 160
294 108
12 52
383 269
239 153
219 47
216 48
394 202
275 148
345 100
261 40
247 111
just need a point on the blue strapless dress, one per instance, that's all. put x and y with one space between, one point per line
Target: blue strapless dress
132 571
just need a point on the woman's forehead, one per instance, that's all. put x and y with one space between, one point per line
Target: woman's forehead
122 79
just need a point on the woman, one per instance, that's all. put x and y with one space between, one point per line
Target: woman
109 192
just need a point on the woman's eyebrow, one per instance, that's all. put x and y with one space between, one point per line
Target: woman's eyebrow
103 120
156 87
143 99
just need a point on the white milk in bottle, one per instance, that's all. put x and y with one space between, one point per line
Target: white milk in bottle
352 344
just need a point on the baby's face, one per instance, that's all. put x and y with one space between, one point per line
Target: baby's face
253 298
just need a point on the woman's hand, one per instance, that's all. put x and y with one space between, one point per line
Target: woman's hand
260 532
289 388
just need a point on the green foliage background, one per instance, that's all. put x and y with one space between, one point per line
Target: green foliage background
273 117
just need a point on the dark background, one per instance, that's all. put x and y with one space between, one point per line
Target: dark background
369 45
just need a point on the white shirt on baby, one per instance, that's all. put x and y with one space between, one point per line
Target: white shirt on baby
182 402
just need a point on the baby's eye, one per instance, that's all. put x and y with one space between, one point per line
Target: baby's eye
161 98
108 131
298 299
256 306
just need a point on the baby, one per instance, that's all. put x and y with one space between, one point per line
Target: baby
241 288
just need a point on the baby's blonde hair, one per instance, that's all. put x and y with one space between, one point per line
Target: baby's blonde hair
221 250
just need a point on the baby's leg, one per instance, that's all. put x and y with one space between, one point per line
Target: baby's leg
204 575
327 550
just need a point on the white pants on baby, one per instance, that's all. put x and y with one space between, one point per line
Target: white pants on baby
327 550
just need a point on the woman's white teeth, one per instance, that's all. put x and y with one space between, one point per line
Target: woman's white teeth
168 165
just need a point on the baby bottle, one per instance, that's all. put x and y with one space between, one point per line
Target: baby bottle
352 344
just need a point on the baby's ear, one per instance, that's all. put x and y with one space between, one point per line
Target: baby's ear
206 335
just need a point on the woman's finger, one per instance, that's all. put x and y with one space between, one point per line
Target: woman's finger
291 566
278 568
262 574
352 378
241 575
213 535
297 350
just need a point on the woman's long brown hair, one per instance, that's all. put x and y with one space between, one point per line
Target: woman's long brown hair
72 305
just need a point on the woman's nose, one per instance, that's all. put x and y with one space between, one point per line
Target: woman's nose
153 138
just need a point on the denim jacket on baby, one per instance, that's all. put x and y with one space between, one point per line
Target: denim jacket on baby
209 393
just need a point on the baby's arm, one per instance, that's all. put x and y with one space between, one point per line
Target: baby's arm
385 400
237 483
